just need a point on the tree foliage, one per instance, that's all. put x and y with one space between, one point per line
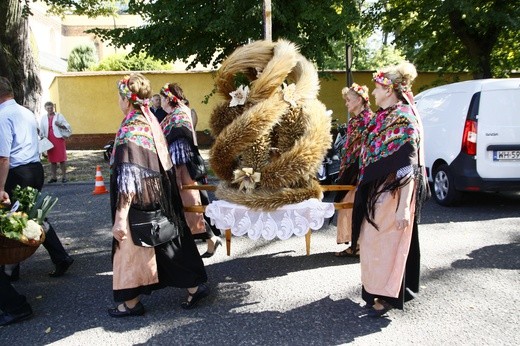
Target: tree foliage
124 62
81 58
480 36
200 31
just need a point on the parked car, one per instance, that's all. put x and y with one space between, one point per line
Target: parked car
472 137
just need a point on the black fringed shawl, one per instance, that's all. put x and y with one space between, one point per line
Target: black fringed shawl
180 136
392 143
137 176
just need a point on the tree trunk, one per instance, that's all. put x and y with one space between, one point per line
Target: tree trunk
16 60
479 45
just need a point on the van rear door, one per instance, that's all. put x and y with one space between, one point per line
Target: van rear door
498 133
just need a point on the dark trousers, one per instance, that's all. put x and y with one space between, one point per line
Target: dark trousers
10 300
32 175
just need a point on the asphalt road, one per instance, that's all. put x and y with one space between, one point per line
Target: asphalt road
271 293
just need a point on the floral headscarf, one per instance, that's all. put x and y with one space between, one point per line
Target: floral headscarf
180 118
141 135
387 132
355 131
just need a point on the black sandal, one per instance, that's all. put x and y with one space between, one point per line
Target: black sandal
347 253
137 310
375 313
202 292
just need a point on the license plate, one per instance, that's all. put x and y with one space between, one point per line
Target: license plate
506 155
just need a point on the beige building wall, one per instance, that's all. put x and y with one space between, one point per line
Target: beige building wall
90 100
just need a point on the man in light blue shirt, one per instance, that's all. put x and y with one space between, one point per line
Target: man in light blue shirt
19 157
16 143
20 165
18 135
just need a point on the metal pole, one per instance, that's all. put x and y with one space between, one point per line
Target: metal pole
348 57
268 34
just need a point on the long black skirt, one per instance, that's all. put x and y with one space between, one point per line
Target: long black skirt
178 264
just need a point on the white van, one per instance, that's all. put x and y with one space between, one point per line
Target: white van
472 137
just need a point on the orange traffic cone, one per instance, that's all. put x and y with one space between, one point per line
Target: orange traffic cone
99 188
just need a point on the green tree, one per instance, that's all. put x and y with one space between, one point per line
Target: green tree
16 57
81 58
124 62
479 36
200 31
384 56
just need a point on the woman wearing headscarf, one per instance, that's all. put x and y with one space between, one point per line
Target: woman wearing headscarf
357 102
143 179
390 193
182 142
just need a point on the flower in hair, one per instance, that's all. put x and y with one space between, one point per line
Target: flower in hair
167 92
379 77
361 90
125 92
122 85
239 96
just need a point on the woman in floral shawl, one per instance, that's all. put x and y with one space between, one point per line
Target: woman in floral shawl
182 145
391 189
143 178
357 102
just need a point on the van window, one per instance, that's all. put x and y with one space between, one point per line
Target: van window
473 107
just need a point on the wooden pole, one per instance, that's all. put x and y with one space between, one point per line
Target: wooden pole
268 31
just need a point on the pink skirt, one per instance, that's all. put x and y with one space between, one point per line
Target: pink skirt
59 152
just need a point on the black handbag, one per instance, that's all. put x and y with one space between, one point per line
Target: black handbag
196 166
151 228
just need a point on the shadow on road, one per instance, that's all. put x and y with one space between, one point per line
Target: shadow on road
324 322
263 267
502 256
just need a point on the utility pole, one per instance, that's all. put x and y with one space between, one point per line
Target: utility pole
268 25
348 56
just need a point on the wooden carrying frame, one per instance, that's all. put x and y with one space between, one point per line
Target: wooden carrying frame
202 208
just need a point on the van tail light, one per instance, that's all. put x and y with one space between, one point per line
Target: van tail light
469 139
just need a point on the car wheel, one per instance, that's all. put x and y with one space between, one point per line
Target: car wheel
444 188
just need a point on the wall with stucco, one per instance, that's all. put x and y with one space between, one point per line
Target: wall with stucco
89 101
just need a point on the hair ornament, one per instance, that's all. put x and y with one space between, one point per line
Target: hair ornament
379 77
165 90
125 92
361 90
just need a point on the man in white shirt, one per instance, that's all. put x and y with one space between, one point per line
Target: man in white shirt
20 165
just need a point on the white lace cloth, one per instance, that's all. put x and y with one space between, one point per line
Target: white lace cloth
282 223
